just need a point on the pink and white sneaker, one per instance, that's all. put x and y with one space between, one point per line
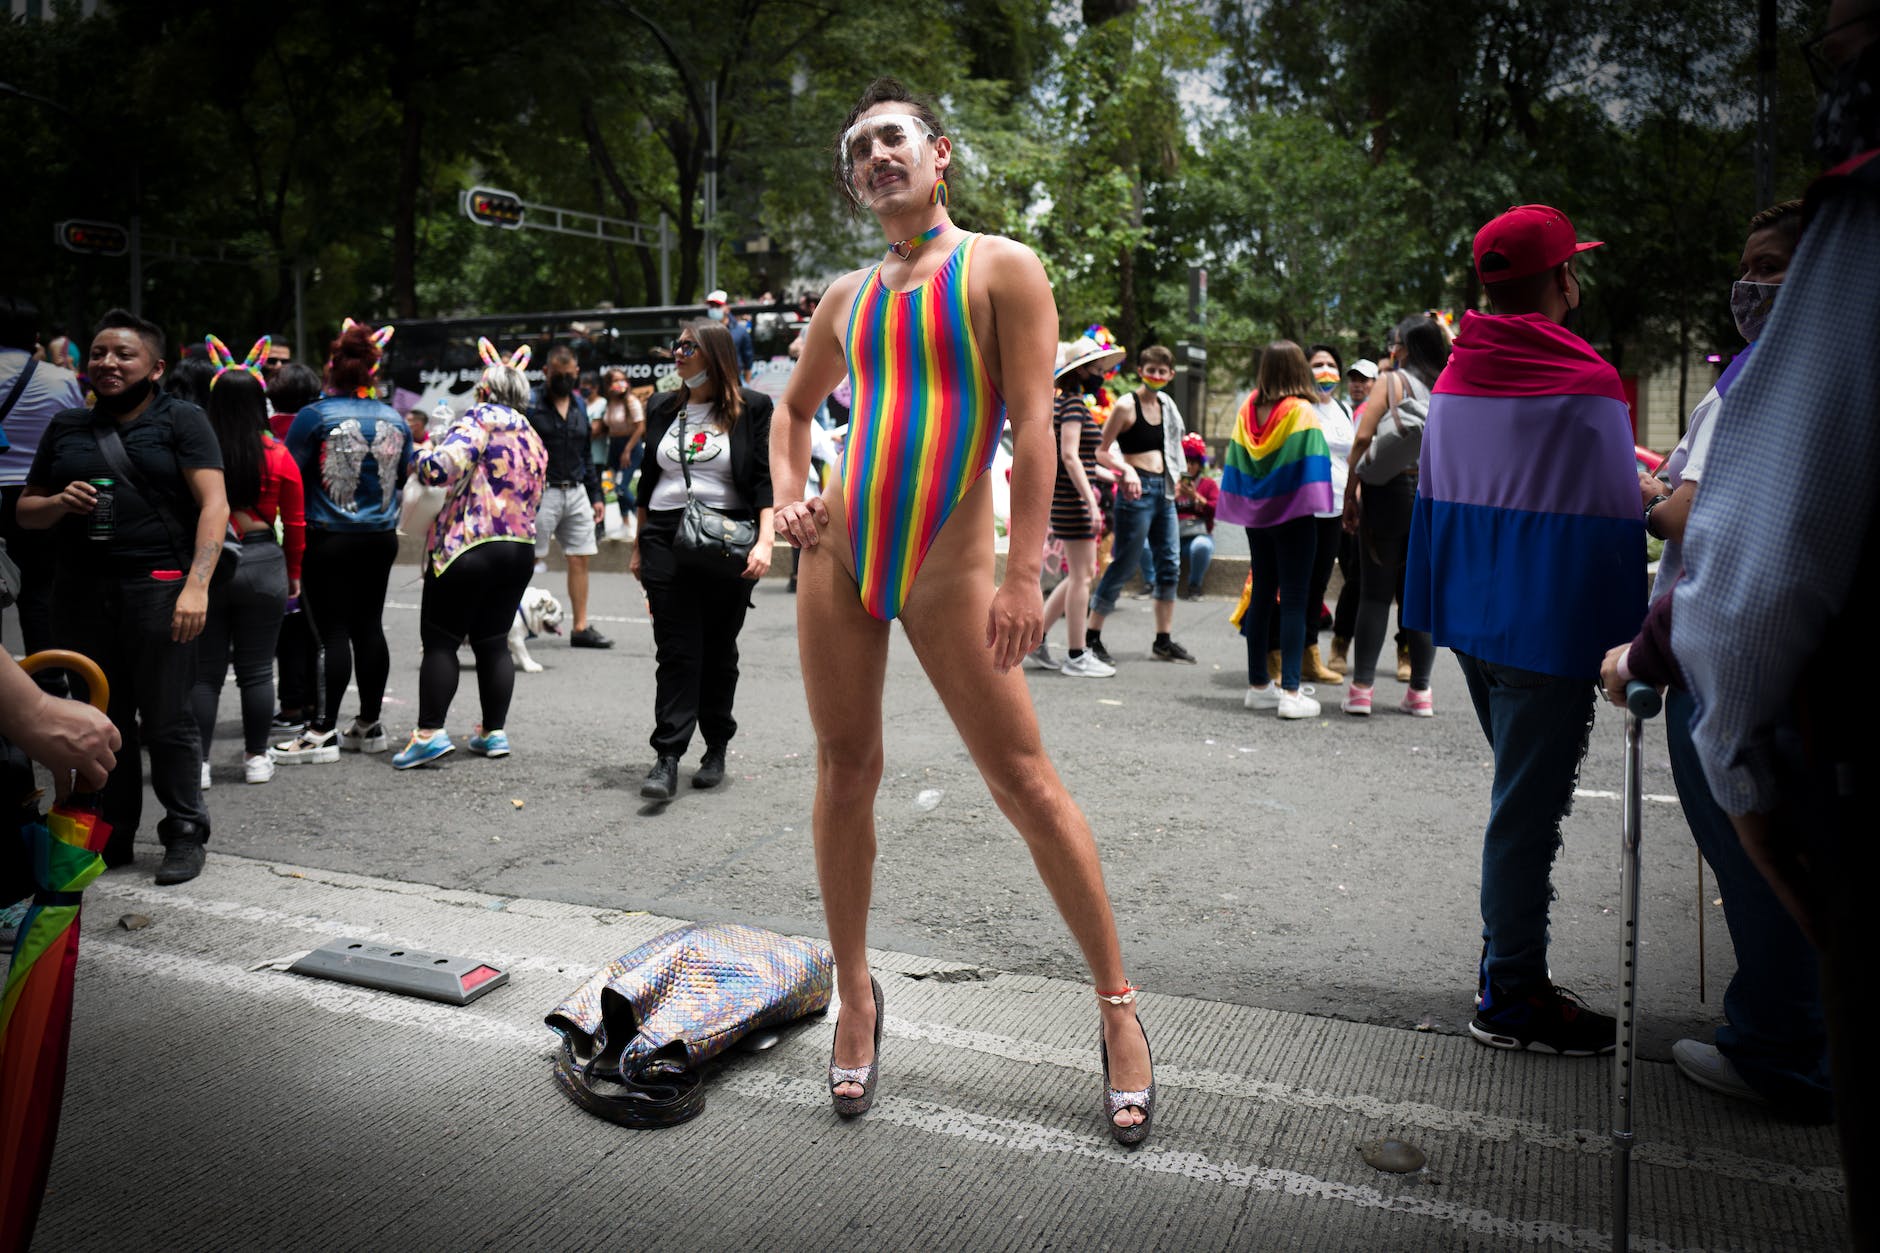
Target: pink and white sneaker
1418 704
1357 701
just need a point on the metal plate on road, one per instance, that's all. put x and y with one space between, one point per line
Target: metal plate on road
406 971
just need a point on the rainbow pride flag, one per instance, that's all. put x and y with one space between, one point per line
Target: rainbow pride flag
1278 472
1527 546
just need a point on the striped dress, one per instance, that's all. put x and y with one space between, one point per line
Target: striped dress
1070 512
1276 472
924 425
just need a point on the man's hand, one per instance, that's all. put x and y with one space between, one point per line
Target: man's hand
1014 623
69 735
191 612
600 512
78 497
800 523
1610 681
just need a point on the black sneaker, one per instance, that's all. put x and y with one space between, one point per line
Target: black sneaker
662 781
1097 650
182 861
1172 651
1548 1018
588 637
711 769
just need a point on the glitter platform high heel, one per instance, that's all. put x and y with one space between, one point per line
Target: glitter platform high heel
1114 1101
864 1076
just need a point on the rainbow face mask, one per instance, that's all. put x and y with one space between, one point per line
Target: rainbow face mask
1326 377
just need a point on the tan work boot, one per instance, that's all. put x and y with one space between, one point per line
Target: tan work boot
1341 655
1272 666
1403 663
1316 670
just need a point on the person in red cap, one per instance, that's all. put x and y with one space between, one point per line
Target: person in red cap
1527 558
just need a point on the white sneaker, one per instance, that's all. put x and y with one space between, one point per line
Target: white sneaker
1041 656
259 768
308 746
1297 705
1086 666
360 738
1263 697
205 776
1703 1064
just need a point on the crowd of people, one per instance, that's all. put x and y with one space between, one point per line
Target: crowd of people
1484 478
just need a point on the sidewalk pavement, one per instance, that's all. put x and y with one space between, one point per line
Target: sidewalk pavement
217 1102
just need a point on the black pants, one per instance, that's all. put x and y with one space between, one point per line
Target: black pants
474 599
696 620
1384 540
342 584
1345 612
1282 564
32 552
244 618
1325 533
121 621
297 650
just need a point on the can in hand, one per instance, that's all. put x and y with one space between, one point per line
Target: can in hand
101 524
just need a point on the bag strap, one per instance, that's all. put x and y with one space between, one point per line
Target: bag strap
662 1095
111 444
18 389
678 453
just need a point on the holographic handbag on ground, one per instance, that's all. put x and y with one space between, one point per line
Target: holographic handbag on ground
646 1023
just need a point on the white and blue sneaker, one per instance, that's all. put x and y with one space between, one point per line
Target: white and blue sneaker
494 744
423 749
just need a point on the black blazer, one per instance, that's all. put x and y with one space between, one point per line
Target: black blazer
750 446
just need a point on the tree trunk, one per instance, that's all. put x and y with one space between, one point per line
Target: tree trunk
405 211
603 162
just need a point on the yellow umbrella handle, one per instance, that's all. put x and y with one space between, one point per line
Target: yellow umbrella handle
79 664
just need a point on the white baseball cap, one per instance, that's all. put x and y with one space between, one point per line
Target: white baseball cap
1364 369
717 298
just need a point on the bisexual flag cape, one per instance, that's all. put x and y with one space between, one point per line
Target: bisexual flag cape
1278 472
1527 546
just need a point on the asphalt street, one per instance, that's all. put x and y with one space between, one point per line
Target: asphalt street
1298 901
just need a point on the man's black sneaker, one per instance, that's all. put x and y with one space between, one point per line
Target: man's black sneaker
1172 651
1097 650
662 781
588 637
711 769
182 861
1550 1019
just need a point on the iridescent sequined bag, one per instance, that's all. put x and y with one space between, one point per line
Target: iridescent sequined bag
646 1023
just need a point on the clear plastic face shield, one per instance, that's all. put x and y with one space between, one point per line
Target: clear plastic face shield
881 153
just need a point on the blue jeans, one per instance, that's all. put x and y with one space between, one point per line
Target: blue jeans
1196 550
1537 725
1774 1031
1151 516
1282 565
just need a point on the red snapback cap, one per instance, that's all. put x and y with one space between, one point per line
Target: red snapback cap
1526 240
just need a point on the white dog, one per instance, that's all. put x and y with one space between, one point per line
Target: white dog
539 613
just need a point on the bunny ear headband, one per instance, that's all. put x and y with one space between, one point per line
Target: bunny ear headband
223 360
381 337
518 360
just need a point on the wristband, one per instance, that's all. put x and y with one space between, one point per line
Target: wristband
1655 502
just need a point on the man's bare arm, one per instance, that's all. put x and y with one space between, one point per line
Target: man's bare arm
822 366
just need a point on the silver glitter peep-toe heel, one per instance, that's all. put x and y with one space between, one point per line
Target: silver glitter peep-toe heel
1114 1101
865 1076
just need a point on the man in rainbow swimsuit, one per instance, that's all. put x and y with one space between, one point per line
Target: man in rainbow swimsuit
949 337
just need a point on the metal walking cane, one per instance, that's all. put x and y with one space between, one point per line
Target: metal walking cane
1642 701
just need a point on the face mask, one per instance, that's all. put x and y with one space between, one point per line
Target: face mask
715 313
1847 118
1092 384
1155 385
560 385
1750 304
1327 379
695 380
126 400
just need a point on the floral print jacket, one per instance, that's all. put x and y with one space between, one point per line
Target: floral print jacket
494 466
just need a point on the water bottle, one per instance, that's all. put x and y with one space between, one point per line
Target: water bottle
101 524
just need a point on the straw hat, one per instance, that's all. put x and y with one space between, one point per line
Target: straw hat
1087 351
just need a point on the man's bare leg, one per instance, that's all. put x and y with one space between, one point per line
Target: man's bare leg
843 652
945 618
577 590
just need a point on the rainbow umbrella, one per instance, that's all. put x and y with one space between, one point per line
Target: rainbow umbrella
36 1010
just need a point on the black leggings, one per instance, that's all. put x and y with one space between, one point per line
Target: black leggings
342 585
1325 533
474 599
1384 541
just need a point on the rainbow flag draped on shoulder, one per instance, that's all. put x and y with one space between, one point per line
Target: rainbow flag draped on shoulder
1527 547
1278 472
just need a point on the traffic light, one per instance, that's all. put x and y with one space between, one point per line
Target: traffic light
102 239
489 207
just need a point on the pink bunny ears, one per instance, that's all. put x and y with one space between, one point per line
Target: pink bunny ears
518 360
381 337
223 360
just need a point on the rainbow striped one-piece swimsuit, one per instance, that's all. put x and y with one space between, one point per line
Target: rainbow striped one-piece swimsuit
923 427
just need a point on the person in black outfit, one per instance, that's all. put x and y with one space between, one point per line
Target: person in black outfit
132 589
573 503
722 432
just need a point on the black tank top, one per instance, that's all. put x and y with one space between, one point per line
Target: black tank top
1139 436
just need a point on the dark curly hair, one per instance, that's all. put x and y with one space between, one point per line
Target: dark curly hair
353 360
883 90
